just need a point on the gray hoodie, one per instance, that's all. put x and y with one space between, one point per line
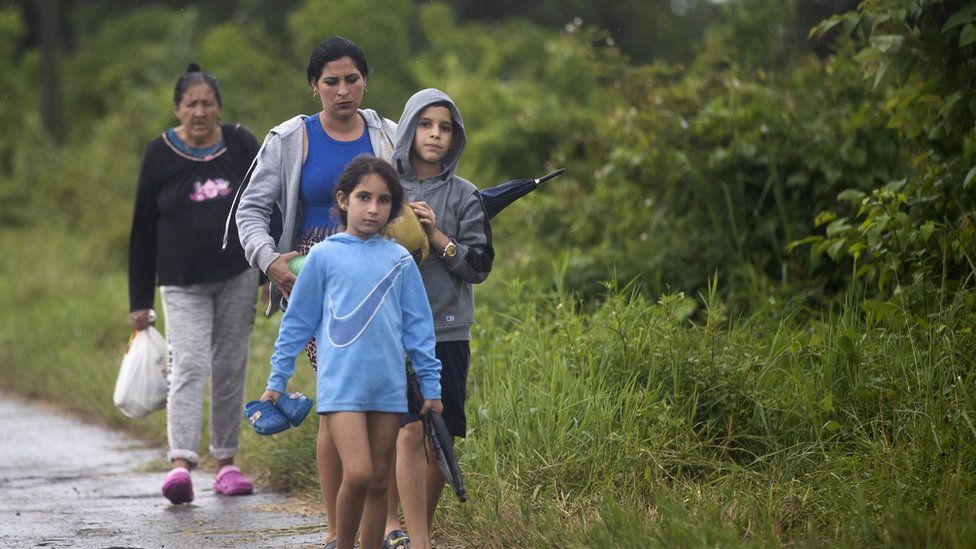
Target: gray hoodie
459 214
276 177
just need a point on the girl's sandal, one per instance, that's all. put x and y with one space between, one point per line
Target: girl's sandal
265 417
295 407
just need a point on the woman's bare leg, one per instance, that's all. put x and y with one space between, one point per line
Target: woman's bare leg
330 474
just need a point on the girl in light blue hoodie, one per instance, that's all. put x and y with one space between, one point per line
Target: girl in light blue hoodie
363 298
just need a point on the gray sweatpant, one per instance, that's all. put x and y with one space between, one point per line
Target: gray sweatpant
208 327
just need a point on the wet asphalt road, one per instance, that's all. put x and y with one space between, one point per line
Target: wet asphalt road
64 483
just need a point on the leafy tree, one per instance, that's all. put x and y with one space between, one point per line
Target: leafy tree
525 93
27 154
718 167
127 68
922 54
261 84
381 28
644 30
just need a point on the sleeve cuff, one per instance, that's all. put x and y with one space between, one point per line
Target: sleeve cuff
277 383
265 258
431 391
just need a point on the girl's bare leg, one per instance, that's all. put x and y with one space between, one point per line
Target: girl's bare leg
349 433
382 429
365 443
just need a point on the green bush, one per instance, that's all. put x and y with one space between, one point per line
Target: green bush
918 225
719 169
28 157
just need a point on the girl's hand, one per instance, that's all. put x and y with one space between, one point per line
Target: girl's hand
280 274
139 320
432 405
270 395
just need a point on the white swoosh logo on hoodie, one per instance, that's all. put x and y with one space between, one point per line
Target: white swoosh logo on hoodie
345 330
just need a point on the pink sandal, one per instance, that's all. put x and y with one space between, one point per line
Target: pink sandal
178 487
231 482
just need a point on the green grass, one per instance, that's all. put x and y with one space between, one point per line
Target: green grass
620 423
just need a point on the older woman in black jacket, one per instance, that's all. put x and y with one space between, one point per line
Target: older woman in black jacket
187 183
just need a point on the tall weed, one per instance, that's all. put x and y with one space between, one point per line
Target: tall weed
615 422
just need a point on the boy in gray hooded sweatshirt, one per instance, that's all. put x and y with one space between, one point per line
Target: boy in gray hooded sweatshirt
430 140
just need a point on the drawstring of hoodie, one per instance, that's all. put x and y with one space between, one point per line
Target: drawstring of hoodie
237 196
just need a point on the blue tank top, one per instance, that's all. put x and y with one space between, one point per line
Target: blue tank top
325 161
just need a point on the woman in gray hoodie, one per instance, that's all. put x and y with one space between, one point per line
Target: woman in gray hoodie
296 170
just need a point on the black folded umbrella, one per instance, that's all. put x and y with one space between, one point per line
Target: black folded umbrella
443 444
435 430
497 198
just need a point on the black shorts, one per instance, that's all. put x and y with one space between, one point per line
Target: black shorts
455 356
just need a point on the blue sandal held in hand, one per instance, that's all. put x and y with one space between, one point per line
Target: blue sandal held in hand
265 417
295 407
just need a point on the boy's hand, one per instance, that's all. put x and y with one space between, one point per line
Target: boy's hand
425 214
281 275
432 405
270 395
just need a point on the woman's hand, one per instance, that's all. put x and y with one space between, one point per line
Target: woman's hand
432 406
139 320
281 275
270 395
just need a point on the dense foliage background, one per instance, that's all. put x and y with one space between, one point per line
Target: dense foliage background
743 316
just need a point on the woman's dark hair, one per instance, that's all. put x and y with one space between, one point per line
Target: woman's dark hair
192 77
355 171
334 48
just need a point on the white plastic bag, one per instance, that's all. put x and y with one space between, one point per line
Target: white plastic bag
141 387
